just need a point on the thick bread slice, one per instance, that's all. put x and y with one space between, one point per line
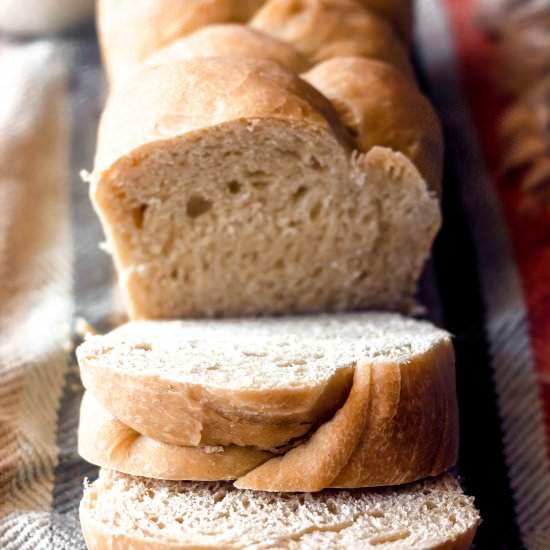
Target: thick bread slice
382 435
381 107
121 512
105 441
231 40
322 29
229 173
130 30
264 382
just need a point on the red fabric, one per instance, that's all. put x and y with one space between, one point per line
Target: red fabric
530 234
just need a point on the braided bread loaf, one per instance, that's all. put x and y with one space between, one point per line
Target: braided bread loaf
228 185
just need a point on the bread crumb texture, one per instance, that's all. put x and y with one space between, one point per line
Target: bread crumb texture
186 514
276 352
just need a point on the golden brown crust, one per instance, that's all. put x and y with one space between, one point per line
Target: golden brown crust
313 465
231 40
382 107
410 432
130 30
412 427
322 29
105 441
198 416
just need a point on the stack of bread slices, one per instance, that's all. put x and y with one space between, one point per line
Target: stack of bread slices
273 164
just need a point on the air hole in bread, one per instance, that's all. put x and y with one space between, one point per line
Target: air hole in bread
452 519
138 215
145 346
332 508
376 514
299 193
390 537
430 504
218 496
257 174
259 184
150 493
315 164
197 205
233 186
315 211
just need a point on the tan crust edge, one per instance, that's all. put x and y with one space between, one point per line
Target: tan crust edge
105 441
397 439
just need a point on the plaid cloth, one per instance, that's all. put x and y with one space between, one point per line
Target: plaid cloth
488 283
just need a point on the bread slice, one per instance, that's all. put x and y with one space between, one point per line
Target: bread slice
322 29
105 441
228 186
381 388
231 40
381 106
119 511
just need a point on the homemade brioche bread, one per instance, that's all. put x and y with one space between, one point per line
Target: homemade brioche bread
380 106
231 40
322 29
130 30
229 186
380 387
120 512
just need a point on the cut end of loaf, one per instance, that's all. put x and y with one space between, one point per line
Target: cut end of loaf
120 509
264 216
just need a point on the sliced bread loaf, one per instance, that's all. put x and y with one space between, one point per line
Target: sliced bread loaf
380 387
119 512
228 186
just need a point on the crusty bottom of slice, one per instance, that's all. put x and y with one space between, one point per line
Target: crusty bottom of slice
122 512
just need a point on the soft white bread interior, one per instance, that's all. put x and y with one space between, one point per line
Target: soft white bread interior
120 512
130 30
230 173
371 397
322 29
